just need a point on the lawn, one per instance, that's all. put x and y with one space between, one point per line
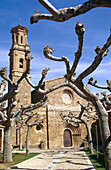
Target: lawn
17 158
98 163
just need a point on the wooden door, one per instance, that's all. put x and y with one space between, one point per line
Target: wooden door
67 138
77 137
0 139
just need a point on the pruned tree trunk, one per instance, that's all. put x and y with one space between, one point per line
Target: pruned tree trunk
105 133
90 143
27 140
7 145
20 138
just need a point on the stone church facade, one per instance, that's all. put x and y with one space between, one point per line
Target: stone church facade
53 132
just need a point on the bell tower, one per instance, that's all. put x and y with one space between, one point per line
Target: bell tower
18 52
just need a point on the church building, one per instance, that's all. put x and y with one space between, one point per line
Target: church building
53 132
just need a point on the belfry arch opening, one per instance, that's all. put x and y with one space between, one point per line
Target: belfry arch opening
21 39
67 138
21 63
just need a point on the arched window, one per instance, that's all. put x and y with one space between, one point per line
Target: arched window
21 63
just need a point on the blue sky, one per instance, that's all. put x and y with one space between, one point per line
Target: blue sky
60 36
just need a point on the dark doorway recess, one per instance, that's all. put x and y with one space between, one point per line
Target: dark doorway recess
67 138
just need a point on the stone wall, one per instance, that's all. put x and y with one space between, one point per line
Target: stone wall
62 100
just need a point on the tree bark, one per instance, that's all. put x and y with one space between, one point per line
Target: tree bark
64 14
90 143
7 145
105 133
20 138
27 140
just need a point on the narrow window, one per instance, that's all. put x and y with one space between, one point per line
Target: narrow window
17 38
21 39
21 63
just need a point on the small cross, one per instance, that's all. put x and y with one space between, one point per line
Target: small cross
20 21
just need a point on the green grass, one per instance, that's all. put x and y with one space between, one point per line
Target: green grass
17 158
98 163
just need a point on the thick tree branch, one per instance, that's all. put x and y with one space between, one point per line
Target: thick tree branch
80 30
105 100
14 90
64 14
79 92
100 54
10 94
47 53
94 83
49 7
83 108
29 81
68 84
11 106
2 87
2 117
29 108
3 74
44 72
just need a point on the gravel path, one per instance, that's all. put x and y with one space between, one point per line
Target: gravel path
57 159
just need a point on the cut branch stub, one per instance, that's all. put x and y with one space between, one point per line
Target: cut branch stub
3 71
109 83
3 104
29 57
103 93
3 83
37 11
44 72
98 50
97 94
47 50
90 80
80 29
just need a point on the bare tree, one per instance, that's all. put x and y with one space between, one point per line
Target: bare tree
86 114
76 83
6 112
64 14
29 119
9 118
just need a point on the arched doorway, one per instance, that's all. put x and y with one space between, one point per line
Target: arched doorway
67 138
